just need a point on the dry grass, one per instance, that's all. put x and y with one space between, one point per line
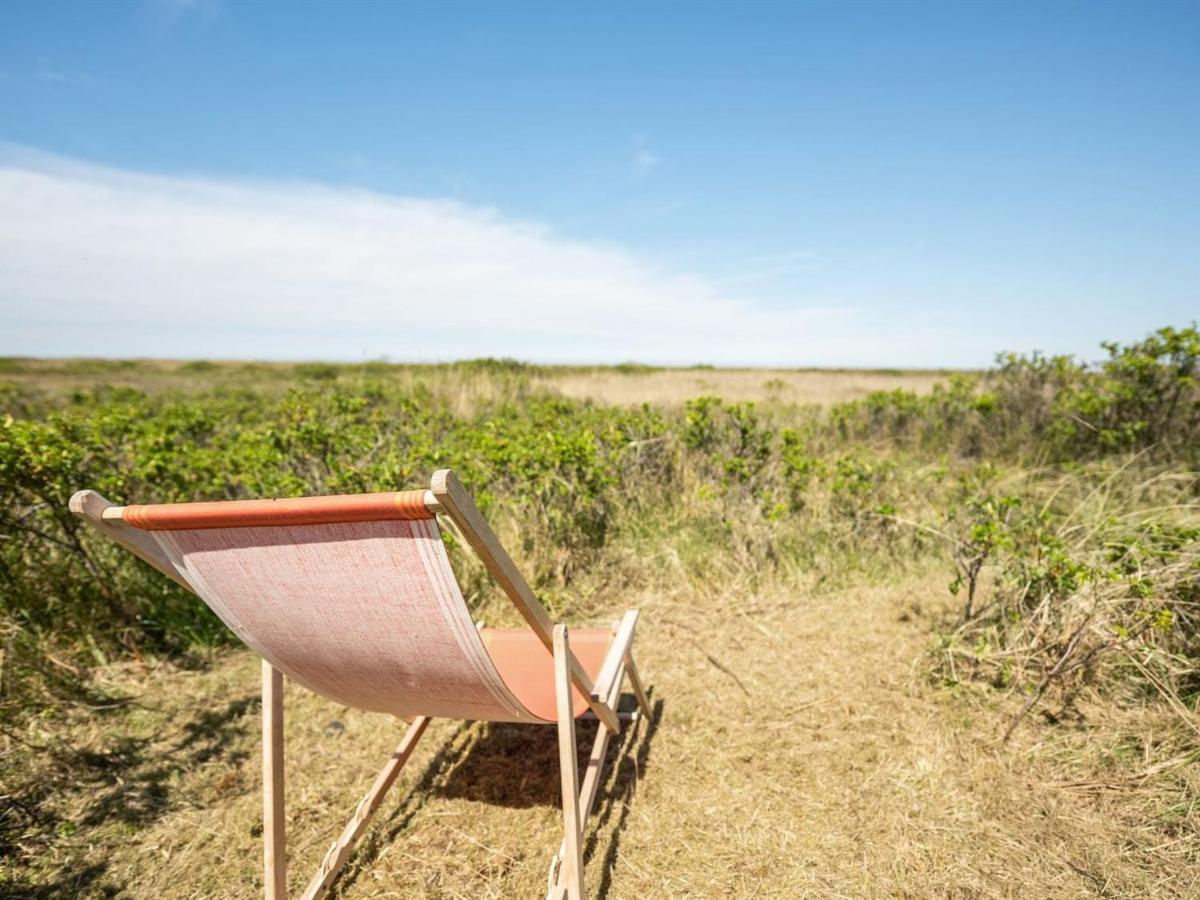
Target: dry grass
798 749
821 387
674 386
603 384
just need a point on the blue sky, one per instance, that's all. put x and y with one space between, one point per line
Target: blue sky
800 184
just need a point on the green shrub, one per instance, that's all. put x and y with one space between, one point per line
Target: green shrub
721 487
1144 397
316 371
1082 579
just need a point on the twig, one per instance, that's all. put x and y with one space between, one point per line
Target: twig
718 665
1059 668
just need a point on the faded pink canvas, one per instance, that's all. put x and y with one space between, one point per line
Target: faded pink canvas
366 613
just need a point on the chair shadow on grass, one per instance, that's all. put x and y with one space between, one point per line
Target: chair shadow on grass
516 766
621 786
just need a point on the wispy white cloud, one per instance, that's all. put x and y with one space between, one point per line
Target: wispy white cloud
57 75
767 267
643 161
97 261
172 10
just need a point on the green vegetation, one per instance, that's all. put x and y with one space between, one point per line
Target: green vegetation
1072 485
1062 499
1084 506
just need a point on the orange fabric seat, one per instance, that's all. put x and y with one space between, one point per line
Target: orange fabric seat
527 667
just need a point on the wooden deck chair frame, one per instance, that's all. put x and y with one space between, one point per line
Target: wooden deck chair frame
446 497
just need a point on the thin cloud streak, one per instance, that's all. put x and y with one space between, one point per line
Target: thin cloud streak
97 261
175 9
643 161
52 74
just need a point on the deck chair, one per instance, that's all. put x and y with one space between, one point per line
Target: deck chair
353 597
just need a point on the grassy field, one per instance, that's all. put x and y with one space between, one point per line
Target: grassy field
622 385
814 387
831 719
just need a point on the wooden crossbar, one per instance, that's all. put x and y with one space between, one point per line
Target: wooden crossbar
344 846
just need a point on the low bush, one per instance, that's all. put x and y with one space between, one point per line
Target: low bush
1144 397
1095 583
1060 491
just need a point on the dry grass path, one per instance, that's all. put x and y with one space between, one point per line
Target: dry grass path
798 750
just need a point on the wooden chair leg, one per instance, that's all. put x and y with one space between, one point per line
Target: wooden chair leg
569 764
587 799
609 683
332 864
636 681
274 826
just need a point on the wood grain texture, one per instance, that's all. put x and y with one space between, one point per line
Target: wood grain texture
343 847
96 510
274 825
635 680
572 865
617 652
